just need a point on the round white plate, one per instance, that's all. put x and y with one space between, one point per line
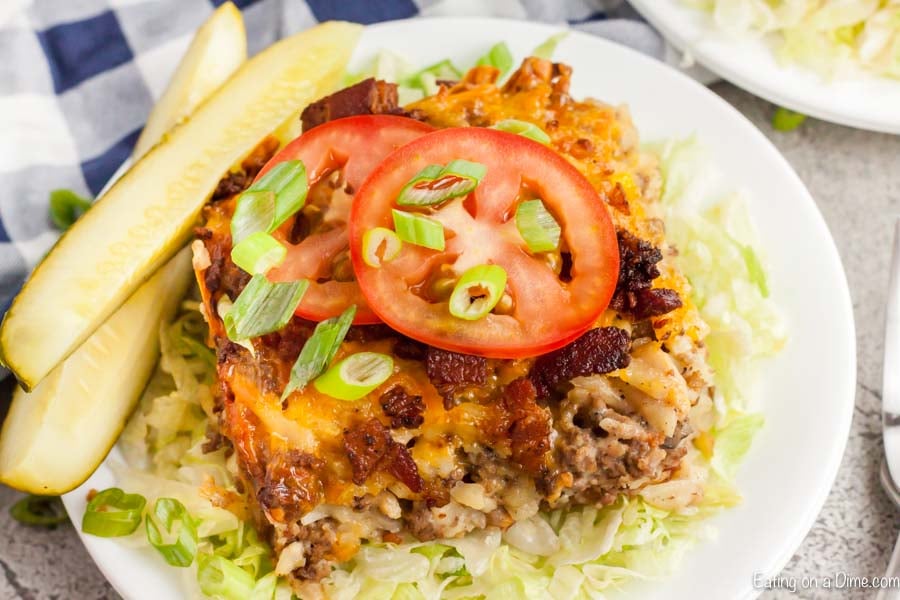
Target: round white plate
867 102
808 390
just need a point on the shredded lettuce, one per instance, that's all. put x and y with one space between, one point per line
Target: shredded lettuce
833 38
163 449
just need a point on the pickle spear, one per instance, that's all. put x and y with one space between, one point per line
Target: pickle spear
219 47
57 434
147 215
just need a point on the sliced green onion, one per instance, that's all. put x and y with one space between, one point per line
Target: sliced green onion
419 230
787 120
254 211
380 245
221 578
498 57
41 511
537 226
319 350
355 376
546 49
288 180
176 521
435 183
258 252
477 292
263 307
523 128
66 206
113 513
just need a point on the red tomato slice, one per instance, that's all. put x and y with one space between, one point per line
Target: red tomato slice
548 312
353 146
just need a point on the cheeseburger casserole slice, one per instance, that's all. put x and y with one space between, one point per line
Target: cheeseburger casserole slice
521 339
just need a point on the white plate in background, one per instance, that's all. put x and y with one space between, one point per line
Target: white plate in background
866 102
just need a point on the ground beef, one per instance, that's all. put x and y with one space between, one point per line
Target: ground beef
236 182
369 446
598 351
231 184
368 97
607 452
319 539
404 409
222 274
452 372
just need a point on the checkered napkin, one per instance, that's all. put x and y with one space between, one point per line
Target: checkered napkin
78 78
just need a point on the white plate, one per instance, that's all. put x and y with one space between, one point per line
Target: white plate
808 389
868 102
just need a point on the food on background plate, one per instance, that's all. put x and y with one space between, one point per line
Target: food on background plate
444 349
835 39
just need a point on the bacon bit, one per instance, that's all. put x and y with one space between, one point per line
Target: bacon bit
405 410
637 270
445 367
369 446
451 371
598 351
92 493
654 302
402 466
366 445
368 97
526 425
291 486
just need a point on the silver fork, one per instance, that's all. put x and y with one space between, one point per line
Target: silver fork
890 410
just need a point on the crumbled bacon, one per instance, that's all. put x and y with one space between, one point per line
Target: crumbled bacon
404 409
369 446
451 371
368 97
654 302
637 270
637 263
598 351
290 487
526 425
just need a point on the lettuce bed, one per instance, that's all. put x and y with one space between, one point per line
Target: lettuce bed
578 553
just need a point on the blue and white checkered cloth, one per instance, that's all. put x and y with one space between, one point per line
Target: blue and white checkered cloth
79 77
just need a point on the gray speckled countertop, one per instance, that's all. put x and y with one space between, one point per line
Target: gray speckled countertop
855 178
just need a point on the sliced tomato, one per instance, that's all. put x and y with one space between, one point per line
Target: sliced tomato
338 156
548 309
